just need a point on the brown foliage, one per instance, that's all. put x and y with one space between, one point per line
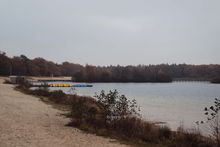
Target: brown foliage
21 65
87 114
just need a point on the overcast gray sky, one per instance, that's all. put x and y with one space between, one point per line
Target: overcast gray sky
101 32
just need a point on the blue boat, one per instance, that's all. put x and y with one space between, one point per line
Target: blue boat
82 85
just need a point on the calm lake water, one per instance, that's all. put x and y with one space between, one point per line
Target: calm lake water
174 103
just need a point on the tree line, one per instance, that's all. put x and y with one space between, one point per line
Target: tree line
22 65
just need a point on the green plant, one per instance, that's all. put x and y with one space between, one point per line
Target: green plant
116 107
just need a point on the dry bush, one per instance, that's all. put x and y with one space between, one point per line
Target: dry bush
114 115
184 138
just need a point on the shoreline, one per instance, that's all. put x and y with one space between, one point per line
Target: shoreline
152 134
27 121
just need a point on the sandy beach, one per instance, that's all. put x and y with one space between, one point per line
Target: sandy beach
25 121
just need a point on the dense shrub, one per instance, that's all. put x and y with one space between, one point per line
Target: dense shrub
57 96
184 138
41 92
84 111
116 107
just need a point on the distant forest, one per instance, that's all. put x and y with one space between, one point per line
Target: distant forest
22 65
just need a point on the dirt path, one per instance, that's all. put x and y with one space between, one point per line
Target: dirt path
25 121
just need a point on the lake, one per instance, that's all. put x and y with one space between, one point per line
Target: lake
176 103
